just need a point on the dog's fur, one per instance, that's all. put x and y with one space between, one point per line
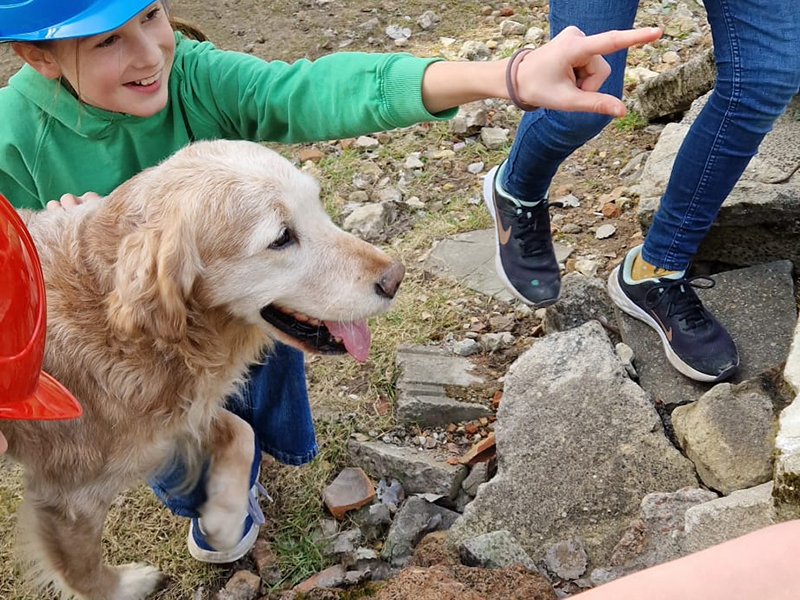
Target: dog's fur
154 298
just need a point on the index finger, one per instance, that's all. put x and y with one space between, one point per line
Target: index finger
611 41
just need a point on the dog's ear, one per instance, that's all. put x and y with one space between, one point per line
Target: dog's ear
155 273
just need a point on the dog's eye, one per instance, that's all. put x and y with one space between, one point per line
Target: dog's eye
286 238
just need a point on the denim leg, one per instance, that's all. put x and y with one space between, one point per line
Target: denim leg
757 50
546 137
274 401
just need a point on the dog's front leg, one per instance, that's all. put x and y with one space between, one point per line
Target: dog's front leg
222 517
60 542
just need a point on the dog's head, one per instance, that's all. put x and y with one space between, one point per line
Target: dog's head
234 227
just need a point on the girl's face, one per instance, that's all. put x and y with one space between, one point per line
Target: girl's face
125 70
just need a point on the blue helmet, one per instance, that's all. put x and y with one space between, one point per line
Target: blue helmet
34 20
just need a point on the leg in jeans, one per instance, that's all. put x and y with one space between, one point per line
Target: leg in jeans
757 50
274 401
546 137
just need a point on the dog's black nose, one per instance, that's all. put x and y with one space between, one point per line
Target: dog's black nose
390 280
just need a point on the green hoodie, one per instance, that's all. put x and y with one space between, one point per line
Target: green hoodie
51 144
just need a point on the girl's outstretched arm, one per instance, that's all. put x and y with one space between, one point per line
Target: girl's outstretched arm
564 74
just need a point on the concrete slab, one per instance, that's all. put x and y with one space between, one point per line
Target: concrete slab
760 219
470 258
432 386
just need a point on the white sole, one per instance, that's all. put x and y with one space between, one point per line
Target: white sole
217 558
625 304
488 191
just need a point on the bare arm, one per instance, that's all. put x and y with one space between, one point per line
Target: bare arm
563 74
764 565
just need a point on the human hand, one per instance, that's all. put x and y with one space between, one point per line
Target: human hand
566 73
68 201
3 443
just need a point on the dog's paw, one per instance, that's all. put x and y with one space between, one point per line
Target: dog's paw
137 581
222 529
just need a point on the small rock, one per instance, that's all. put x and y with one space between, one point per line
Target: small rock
570 228
472 50
605 231
370 24
494 550
640 74
350 490
634 166
567 559
244 585
343 545
478 475
266 562
427 19
509 28
611 210
331 577
367 142
475 167
397 32
415 202
358 197
413 161
569 201
389 194
494 138
670 58
497 341
586 267
443 154
390 492
311 154
369 221
534 35
466 347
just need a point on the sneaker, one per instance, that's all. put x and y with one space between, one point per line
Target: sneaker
201 550
525 259
694 341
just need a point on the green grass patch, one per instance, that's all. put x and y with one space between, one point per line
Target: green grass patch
630 122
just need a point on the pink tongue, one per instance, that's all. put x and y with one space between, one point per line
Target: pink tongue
354 334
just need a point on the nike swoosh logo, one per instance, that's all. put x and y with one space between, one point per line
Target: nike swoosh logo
667 330
503 234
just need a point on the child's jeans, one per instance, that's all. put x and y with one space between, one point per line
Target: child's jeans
274 401
757 51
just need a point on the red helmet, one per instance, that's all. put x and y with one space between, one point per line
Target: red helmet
26 392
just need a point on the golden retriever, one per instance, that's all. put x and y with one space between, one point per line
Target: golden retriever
159 296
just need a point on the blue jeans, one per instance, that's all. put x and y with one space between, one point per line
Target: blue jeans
274 401
757 51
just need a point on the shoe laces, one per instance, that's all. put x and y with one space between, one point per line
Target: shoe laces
533 231
681 301
253 507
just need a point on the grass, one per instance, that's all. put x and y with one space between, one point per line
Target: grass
630 122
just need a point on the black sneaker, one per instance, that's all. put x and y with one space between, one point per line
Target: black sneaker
694 341
525 259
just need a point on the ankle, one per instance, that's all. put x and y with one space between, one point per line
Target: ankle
641 269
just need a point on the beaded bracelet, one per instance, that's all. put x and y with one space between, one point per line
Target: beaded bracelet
511 79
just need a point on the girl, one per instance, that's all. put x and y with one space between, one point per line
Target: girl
109 90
